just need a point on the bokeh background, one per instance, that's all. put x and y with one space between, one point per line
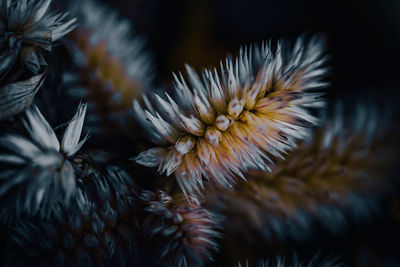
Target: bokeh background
363 37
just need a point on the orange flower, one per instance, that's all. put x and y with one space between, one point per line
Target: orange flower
228 122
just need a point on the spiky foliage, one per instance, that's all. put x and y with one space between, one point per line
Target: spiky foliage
26 29
333 178
232 121
294 261
83 234
103 182
180 232
71 237
114 67
40 172
15 97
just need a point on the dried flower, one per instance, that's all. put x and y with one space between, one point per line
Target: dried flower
70 238
180 233
15 97
232 121
80 235
294 261
26 28
114 66
40 172
102 181
333 178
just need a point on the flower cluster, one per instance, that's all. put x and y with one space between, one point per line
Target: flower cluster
226 123
185 232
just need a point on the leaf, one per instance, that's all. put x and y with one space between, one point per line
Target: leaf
16 97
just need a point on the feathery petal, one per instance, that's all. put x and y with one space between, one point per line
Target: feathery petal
113 66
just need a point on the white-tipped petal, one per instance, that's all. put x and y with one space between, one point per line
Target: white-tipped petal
40 130
70 141
150 158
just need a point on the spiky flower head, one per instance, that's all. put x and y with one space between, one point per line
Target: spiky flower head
114 66
228 122
335 177
103 182
181 232
26 28
40 172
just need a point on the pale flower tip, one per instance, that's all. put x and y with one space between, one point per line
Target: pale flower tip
150 158
238 118
70 141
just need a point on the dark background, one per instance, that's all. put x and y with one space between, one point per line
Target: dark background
363 37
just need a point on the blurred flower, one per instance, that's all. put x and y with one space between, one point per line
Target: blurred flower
40 172
335 177
180 233
232 121
15 97
280 261
103 182
26 28
72 237
114 66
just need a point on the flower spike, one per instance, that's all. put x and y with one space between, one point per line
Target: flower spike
224 123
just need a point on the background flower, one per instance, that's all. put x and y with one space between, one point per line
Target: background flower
337 178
